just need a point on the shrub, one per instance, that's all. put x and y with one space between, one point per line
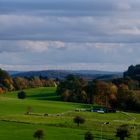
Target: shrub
89 136
22 95
79 120
123 131
39 134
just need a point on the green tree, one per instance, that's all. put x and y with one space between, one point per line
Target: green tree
39 134
79 120
92 91
72 87
21 95
122 95
89 136
4 75
123 131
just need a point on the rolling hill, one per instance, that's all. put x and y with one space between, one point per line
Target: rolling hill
61 74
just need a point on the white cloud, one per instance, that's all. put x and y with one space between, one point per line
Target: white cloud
33 46
30 46
40 46
130 31
108 47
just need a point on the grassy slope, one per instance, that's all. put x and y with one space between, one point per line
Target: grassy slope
15 125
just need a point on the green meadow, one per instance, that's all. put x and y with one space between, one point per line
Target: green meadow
56 118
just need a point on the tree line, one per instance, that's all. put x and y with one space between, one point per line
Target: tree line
119 93
7 83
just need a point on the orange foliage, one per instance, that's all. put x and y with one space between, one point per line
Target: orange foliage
1 91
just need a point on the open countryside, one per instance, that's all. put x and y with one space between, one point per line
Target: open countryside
69 69
58 124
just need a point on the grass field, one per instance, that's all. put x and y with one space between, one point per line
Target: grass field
58 125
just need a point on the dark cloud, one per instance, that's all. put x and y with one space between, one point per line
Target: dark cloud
69 8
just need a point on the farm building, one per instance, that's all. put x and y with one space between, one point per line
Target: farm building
101 109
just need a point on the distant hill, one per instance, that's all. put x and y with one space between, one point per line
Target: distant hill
61 74
14 72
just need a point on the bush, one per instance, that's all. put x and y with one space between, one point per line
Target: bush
39 134
79 120
123 131
89 136
22 95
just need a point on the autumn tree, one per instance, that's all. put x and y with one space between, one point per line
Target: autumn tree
112 96
65 95
102 93
6 81
83 98
1 91
36 82
20 83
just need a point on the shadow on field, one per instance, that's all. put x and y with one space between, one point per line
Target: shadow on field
103 137
45 96
85 106
54 97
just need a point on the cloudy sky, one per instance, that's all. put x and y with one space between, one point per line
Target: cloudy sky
69 34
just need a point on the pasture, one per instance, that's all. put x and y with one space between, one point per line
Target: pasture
58 124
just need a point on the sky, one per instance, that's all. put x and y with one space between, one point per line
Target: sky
69 34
